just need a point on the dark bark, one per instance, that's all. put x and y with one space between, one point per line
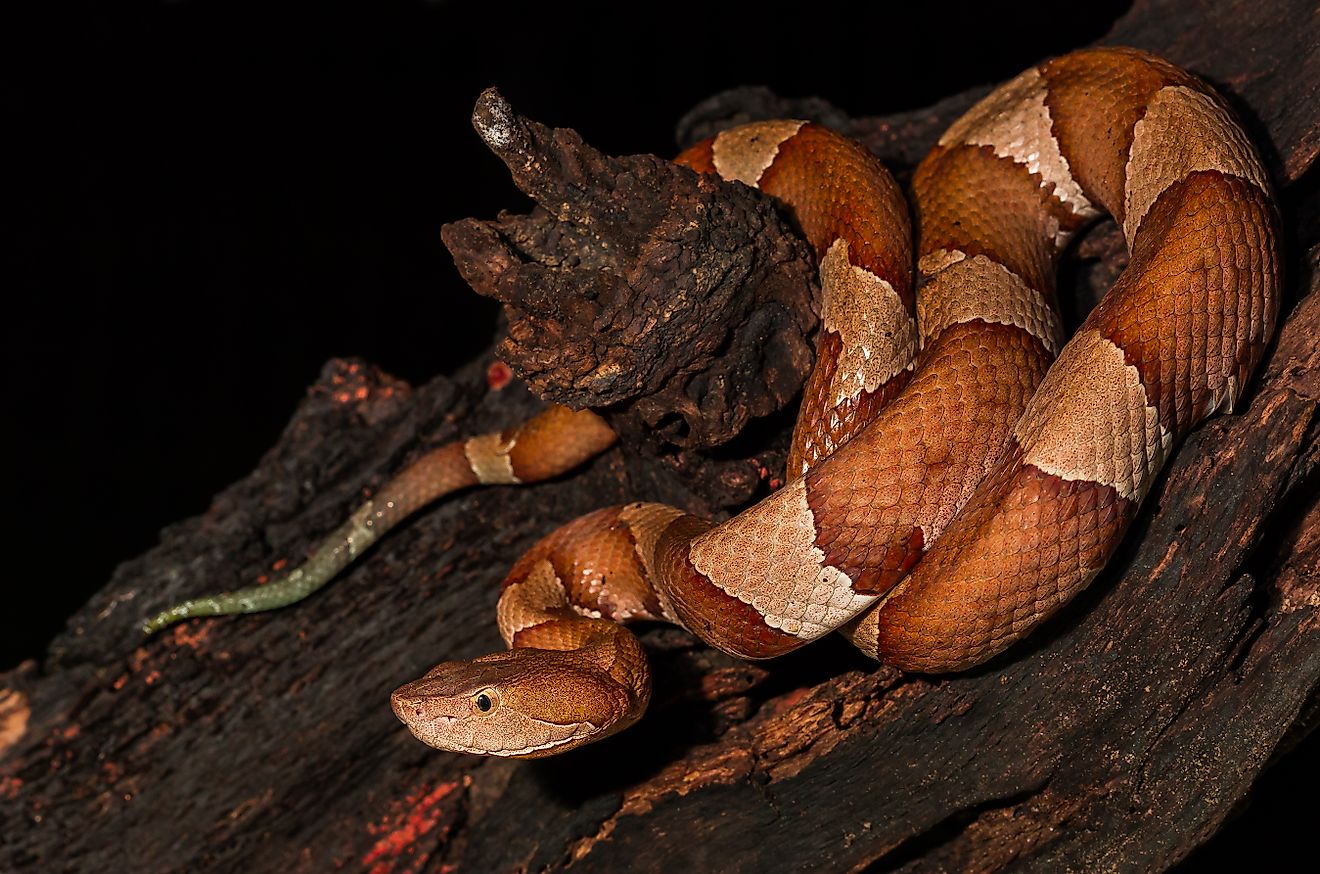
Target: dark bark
1123 733
672 301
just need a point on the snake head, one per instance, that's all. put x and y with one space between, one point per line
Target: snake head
522 703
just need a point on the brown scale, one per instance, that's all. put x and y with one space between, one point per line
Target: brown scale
1096 143
1200 269
595 561
1192 311
924 454
1024 545
834 189
967 199
817 434
838 190
700 157
907 474
731 625
555 440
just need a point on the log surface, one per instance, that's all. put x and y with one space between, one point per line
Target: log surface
1123 734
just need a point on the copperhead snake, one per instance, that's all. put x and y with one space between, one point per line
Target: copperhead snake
959 471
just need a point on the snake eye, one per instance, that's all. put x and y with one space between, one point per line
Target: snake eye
484 701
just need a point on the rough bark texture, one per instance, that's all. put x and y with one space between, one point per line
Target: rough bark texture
670 300
1122 734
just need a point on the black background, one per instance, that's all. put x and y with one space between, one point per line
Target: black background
210 201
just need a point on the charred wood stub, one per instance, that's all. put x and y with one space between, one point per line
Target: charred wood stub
678 304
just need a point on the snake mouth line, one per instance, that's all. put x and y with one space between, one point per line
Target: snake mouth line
414 713
410 714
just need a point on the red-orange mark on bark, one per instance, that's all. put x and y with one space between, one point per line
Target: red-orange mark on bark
400 829
151 738
119 682
9 787
14 714
350 386
279 565
153 678
498 375
63 735
787 701
773 481
191 637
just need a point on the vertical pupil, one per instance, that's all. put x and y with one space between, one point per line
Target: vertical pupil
483 702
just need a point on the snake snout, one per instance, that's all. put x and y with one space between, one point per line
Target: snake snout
427 700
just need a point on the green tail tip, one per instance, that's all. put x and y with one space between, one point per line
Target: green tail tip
163 619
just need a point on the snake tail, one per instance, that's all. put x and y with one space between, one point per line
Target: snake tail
551 443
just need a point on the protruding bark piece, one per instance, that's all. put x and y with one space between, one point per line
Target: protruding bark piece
679 303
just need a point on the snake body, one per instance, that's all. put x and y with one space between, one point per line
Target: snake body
967 496
953 483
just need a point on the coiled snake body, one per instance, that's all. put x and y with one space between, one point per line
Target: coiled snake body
952 487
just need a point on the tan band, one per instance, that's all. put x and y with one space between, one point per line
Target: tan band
979 288
488 456
1183 131
879 337
767 557
743 153
1014 120
1091 420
